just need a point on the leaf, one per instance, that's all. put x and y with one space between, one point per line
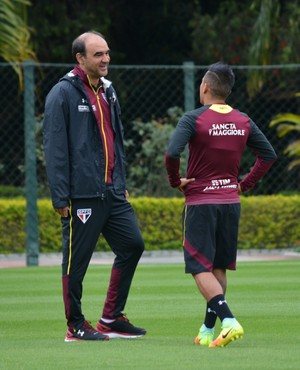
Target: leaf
15 35
285 118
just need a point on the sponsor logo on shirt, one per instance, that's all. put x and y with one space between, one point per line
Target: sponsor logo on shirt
220 184
225 129
83 108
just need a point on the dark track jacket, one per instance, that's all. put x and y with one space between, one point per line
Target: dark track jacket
72 143
217 135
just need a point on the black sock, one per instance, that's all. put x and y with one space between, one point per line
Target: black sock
210 317
219 305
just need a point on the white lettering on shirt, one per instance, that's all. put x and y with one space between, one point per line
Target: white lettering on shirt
83 108
220 184
225 129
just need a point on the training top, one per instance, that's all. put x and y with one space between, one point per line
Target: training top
76 162
217 135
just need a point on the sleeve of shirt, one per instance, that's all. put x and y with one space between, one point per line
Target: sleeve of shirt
181 136
56 147
265 157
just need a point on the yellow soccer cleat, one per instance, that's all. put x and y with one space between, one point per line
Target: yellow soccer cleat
231 330
205 336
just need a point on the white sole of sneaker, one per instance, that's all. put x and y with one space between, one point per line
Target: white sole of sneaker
124 336
71 340
83 340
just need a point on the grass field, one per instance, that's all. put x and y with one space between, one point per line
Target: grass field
264 296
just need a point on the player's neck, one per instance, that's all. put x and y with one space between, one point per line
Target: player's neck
214 101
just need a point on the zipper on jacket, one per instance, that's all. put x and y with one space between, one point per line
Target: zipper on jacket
102 127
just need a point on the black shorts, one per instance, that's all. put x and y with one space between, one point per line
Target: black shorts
210 235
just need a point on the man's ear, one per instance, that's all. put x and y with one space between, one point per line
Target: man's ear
79 58
205 87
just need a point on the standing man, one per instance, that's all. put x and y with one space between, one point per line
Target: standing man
83 140
217 135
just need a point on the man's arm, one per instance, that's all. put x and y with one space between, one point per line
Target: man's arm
184 131
265 158
56 148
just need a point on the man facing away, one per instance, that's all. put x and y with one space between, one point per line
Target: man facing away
217 135
83 140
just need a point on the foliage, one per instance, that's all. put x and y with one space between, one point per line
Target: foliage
261 42
15 35
43 188
267 222
12 226
62 21
146 171
270 222
253 32
131 28
11 191
289 123
275 39
223 34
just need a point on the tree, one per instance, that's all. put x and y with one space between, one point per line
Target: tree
170 32
274 39
260 49
146 173
288 123
252 32
151 32
15 34
59 22
222 34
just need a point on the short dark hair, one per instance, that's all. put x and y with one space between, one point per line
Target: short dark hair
220 78
78 45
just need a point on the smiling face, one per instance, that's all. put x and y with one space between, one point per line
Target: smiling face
94 62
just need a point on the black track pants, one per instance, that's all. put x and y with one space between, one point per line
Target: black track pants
114 217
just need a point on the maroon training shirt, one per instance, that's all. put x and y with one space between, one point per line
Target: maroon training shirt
217 135
101 110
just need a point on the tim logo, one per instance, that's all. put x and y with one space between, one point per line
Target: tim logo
84 214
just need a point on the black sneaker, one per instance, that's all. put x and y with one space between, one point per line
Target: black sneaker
86 332
120 328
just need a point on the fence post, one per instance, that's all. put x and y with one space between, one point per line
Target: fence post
32 238
189 94
189 85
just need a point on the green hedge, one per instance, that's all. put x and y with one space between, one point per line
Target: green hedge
266 222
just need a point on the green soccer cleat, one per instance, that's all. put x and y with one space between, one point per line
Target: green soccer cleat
205 336
231 330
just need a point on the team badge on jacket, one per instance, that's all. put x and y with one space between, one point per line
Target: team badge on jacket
84 214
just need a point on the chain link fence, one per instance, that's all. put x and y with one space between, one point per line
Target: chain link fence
152 99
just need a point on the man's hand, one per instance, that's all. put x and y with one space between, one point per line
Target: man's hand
64 211
184 182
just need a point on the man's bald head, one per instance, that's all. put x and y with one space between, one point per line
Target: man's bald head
79 44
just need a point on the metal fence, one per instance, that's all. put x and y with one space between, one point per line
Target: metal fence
152 99
149 96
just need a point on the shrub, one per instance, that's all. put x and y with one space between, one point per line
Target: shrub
270 222
146 173
266 222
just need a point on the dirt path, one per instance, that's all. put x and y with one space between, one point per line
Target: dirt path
106 258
